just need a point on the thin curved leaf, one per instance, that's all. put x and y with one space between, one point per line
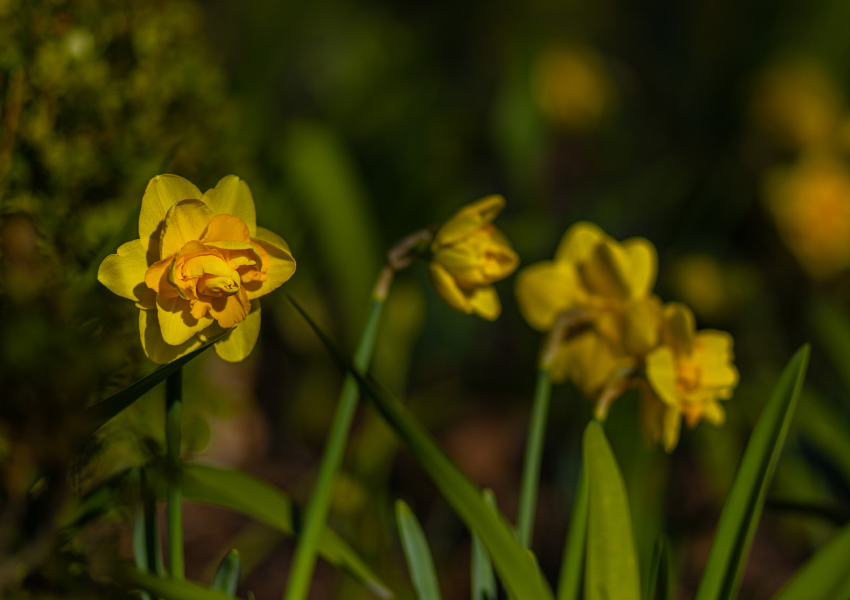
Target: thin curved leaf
826 575
418 555
244 493
165 587
99 414
515 565
611 570
742 510
659 584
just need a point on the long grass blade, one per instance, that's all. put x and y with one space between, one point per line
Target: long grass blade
482 577
263 502
572 563
516 567
99 414
742 510
659 584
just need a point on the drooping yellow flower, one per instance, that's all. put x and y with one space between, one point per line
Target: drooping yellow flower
590 361
468 254
687 374
199 267
610 281
810 203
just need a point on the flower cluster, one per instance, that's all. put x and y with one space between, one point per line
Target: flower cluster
199 267
617 334
797 105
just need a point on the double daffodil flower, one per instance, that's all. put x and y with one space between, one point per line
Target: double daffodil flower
199 267
619 331
468 254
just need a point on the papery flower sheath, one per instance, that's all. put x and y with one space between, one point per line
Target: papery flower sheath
199 267
687 374
468 254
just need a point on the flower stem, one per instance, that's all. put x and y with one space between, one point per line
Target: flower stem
304 560
174 498
533 458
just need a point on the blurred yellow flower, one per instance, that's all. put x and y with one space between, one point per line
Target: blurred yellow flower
468 254
798 104
198 268
714 290
810 204
608 280
687 374
572 87
589 361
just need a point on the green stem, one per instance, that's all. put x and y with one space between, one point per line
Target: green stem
533 458
141 541
173 413
316 514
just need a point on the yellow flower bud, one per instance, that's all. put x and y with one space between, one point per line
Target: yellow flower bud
198 268
468 254
687 376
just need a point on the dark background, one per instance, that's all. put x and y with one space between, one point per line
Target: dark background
716 129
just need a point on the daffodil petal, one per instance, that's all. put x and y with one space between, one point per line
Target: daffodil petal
679 326
226 227
156 278
643 266
154 345
124 273
448 289
176 323
661 373
239 343
544 290
232 196
230 310
641 323
651 414
579 242
163 192
485 303
281 264
469 219
186 221
605 273
713 352
714 413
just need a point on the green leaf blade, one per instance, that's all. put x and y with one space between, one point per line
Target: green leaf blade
99 414
263 502
516 567
482 577
826 575
419 560
227 576
745 501
611 570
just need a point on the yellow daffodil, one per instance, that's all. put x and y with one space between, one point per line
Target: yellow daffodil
810 203
610 281
199 267
589 361
468 254
687 375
